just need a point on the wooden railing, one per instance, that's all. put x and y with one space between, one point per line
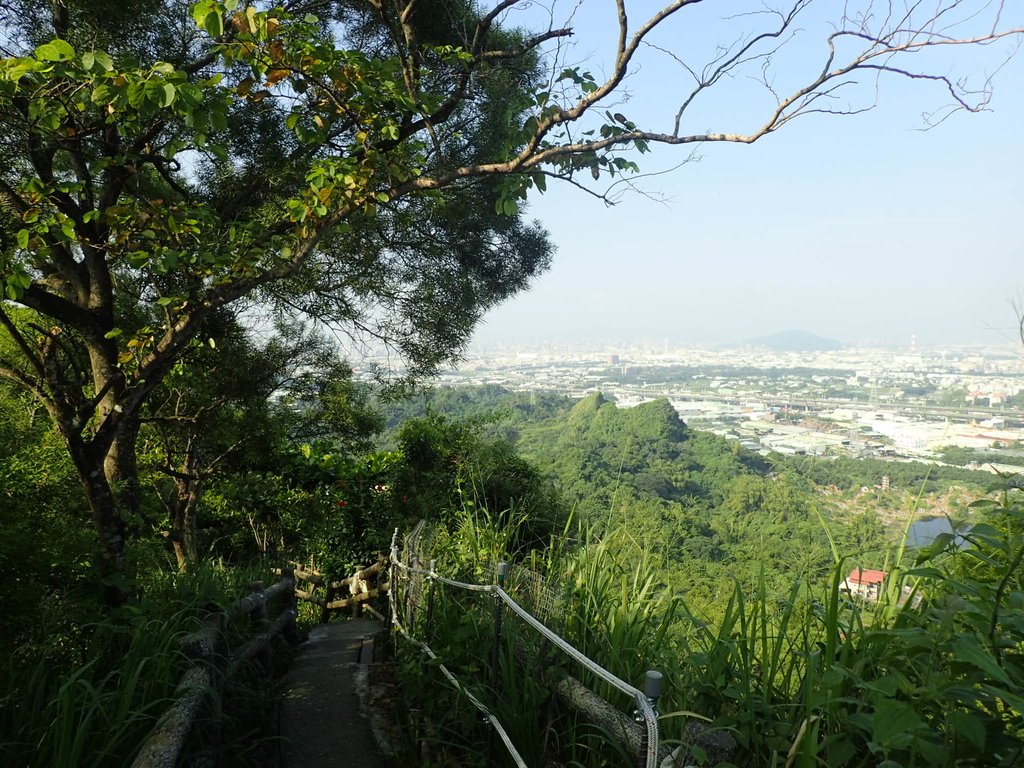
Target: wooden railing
210 667
351 592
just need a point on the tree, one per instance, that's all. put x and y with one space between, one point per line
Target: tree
235 404
345 164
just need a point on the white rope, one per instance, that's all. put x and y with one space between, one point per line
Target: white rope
568 649
461 585
495 723
646 710
643 704
644 707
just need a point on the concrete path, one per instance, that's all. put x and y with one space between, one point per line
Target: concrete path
320 718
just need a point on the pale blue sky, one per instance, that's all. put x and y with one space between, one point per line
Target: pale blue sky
859 228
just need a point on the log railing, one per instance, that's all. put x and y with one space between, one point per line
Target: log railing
350 593
210 667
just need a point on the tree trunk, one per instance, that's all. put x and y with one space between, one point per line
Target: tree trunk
120 466
106 516
183 521
188 481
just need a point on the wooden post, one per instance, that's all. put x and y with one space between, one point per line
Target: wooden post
331 593
205 654
258 620
353 590
291 632
652 690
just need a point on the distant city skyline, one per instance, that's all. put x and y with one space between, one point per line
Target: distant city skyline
857 228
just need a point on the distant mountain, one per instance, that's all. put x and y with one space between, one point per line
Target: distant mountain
795 341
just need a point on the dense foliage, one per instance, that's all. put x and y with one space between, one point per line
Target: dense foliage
930 675
173 174
168 166
714 511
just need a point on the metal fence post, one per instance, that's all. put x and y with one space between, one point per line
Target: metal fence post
652 690
412 597
499 609
430 600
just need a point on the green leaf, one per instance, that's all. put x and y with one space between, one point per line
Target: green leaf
982 504
201 9
55 50
219 120
104 60
506 207
23 238
967 649
969 727
23 66
214 24
102 94
168 94
893 719
88 60
113 333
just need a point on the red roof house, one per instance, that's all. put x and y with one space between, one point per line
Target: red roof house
864 582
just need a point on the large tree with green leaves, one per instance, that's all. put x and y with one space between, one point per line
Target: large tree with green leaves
161 161
243 402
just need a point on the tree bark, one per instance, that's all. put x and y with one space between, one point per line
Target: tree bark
183 520
106 515
181 509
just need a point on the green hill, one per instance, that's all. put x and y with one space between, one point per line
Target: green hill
599 451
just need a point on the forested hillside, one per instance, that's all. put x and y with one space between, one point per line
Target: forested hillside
715 511
724 569
204 206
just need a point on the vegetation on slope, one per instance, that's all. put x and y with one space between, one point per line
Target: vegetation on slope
716 565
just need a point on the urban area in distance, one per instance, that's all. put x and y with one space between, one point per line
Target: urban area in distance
909 403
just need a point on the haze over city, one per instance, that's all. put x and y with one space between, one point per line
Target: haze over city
860 228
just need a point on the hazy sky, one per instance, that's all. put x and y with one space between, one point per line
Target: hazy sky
859 228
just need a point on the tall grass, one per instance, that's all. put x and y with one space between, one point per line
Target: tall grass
95 707
916 679
617 609
612 607
99 713
929 676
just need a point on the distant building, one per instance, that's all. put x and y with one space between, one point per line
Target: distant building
864 583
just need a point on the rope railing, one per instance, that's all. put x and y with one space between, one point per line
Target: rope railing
645 700
488 715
